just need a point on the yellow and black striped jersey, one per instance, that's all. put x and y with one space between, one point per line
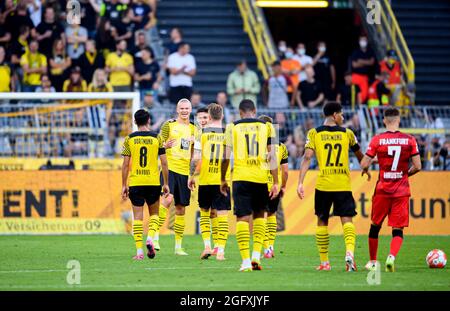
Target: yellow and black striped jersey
282 155
179 156
143 147
249 139
212 144
331 145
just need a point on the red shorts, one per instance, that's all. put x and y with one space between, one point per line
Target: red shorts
397 210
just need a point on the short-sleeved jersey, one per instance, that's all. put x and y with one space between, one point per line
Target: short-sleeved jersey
119 78
212 144
282 155
249 139
393 150
331 145
143 147
179 156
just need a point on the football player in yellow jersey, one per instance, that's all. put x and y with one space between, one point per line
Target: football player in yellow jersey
140 157
210 199
178 136
250 140
282 156
331 143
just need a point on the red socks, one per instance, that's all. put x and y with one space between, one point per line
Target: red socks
373 248
396 243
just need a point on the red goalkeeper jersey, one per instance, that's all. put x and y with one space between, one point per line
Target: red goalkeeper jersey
393 150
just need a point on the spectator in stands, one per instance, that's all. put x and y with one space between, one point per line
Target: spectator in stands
392 67
5 35
291 68
34 8
90 60
275 91
124 29
15 16
76 39
303 59
112 11
75 83
59 6
176 38
222 100
310 93
6 83
104 39
196 101
182 68
325 71
378 93
362 64
89 13
156 119
59 63
147 72
100 82
349 93
33 64
19 46
143 17
242 83
49 30
46 86
283 129
282 47
139 45
120 67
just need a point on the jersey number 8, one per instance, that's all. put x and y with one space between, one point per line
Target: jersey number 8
143 156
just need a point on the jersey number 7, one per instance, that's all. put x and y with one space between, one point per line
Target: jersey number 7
394 151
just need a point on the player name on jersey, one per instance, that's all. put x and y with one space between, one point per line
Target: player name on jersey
394 141
393 175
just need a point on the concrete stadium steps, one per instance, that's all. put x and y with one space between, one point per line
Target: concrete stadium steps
426 27
214 30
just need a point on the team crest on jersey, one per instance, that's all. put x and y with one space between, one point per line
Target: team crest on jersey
185 143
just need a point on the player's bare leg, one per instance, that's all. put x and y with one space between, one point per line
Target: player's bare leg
323 241
205 228
214 230
164 206
222 235
396 244
153 226
178 228
350 240
138 216
373 246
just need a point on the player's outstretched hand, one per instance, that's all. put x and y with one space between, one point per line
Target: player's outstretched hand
300 191
124 193
224 189
191 183
273 191
366 172
166 190
170 143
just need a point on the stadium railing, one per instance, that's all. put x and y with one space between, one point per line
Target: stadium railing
258 31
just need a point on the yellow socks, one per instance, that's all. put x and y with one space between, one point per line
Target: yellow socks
205 228
153 225
259 232
349 237
137 233
243 239
178 227
322 241
271 229
215 229
161 221
222 232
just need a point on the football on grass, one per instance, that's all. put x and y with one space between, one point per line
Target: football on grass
436 259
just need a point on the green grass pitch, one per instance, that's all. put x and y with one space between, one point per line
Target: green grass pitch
39 263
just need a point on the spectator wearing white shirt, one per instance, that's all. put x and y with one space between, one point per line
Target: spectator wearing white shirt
303 59
182 68
76 38
35 10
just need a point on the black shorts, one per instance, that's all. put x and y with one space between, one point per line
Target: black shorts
178 185
209 196
342 201
249 197
273 204
144 194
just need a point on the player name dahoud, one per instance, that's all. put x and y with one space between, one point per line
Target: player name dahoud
394 141
197 301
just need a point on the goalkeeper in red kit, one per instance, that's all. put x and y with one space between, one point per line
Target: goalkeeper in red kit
394 150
